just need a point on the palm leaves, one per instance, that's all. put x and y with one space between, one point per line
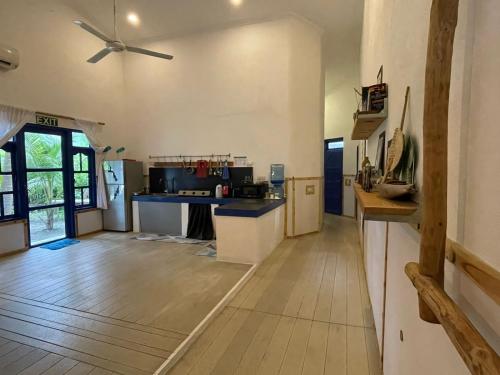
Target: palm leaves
44 151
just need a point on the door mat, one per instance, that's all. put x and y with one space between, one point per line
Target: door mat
208 251
57 245
168 238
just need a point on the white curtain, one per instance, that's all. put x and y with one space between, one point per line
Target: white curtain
91 130
12 120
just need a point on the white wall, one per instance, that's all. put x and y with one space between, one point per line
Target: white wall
88 221
395 35
342 75
342 67
53 75
374 235
13 236
254 90
425 349
306 99
244 90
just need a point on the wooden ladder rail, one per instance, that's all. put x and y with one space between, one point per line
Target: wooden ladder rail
477 354
435 305
481 273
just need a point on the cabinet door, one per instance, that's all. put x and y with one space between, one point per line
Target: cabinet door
161 218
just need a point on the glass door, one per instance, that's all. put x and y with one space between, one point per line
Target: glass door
45 201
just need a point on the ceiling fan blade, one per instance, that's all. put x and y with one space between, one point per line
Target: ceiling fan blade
99 55
149 53
91 30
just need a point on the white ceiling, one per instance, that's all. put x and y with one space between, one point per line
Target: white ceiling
171 18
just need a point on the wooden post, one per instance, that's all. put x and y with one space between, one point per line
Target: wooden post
428 276
477 354
443 21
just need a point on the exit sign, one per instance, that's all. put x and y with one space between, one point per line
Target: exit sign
47 120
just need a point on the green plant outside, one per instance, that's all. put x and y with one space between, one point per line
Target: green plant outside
44 151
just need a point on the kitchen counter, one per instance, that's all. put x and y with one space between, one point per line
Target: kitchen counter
166 198
239 207
248 207
247 230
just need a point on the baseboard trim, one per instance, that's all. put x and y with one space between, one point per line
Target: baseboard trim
302 234
13 252
200 328
79 235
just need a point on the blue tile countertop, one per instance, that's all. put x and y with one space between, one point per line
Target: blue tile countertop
177 199
228 206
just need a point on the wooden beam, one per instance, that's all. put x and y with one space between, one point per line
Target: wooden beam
484 276
477 354
443 21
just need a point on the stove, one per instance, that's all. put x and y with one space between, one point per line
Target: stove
194 193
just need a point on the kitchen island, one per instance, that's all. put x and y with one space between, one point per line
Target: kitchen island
247 230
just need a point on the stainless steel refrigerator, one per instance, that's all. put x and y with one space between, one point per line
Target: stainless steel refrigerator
123 178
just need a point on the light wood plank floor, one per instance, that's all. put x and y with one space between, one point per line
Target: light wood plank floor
107 305
17 358
305 311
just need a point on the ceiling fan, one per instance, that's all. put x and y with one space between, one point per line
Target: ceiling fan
115 45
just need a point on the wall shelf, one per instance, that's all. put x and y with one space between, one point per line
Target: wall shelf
366 123
376 208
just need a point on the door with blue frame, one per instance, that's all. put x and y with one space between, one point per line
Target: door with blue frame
55 176
334 171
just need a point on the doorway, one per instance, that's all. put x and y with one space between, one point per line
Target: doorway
45 186
334 171
47 176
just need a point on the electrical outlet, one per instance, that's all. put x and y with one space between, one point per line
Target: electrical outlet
347 182
310 189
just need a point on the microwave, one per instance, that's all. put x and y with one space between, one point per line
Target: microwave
251 191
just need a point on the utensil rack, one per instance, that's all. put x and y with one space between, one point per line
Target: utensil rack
191 156
180 161
184 157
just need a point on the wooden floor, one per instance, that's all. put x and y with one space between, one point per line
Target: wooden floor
305 311
107 305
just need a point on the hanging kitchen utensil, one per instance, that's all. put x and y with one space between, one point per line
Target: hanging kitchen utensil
190 169
219 166
210 169
202 169
395 150
225 171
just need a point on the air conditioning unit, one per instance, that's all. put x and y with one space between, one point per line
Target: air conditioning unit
9 58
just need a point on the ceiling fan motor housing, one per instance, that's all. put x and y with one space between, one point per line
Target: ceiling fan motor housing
115 46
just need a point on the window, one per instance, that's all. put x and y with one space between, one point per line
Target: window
335 145
83 171
7 182
80 140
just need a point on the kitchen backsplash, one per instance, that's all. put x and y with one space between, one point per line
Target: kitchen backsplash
171 180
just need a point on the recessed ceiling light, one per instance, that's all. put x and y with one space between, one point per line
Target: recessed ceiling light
236 3
133 19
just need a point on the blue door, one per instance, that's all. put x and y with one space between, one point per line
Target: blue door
334 157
